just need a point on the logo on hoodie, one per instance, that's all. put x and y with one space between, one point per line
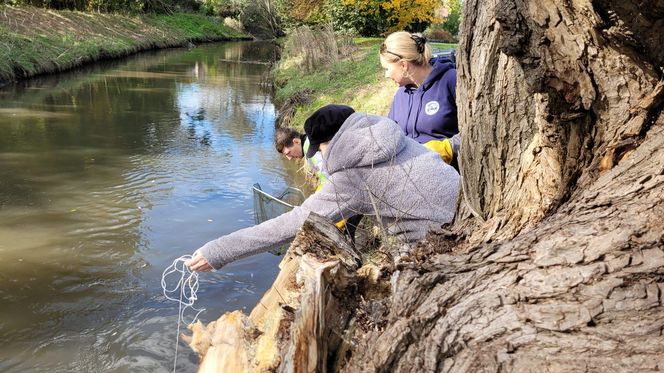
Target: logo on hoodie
431 107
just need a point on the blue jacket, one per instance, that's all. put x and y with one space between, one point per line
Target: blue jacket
428 112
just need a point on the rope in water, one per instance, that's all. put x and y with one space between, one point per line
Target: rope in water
187 286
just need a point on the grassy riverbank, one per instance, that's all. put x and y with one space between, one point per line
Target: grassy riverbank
35 41
357 81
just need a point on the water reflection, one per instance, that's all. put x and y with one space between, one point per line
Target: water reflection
109 173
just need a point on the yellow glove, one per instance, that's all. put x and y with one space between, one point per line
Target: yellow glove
442 147
341 224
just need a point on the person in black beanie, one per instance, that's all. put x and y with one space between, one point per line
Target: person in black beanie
323 124
374 170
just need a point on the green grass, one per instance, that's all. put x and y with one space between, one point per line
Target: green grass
76 37
357 82
443 46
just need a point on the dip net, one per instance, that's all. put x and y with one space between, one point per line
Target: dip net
268 206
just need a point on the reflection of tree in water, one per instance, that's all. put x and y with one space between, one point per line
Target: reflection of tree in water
223 107
112 112
60 123
196 123
82 158
117 105
199 116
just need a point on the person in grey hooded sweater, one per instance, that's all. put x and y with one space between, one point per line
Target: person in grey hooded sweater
374 170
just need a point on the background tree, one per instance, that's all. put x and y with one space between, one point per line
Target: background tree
303 12
379 17
224 8
453 20
262 19
448 29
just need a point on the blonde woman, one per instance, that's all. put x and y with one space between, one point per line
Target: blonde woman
425 104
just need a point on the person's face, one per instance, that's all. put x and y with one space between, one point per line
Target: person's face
293 151
395 71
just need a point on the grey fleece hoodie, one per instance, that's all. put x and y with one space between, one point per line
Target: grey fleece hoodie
374 170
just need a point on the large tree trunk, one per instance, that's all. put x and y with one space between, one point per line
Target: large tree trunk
556 259
547 90
581 291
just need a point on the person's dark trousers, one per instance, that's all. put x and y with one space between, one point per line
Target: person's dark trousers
351 226
455 163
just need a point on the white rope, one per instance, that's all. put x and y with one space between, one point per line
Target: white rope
187 286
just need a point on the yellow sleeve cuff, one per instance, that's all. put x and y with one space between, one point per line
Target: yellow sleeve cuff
442 147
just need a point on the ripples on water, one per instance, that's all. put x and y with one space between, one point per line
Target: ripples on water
106 176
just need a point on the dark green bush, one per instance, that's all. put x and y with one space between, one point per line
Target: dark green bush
437 33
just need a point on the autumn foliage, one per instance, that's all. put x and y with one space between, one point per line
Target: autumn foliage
272 18
400 14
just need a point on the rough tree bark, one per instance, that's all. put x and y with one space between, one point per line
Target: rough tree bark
556 259
560 107
547 89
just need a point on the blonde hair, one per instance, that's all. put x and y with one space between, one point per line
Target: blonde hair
404 45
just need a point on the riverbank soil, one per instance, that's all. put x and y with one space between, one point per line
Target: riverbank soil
35 41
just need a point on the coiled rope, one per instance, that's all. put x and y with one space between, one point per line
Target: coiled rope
186 287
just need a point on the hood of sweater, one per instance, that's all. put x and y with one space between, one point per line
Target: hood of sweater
428 112
440 66
362 141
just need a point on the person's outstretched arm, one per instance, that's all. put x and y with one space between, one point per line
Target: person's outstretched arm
272 233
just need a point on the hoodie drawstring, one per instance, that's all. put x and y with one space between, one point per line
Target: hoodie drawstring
417 116
410 107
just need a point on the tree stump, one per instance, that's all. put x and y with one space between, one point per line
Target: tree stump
299 321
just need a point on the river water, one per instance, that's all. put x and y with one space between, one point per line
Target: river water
107 174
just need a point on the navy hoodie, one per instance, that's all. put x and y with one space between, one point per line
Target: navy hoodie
428 112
